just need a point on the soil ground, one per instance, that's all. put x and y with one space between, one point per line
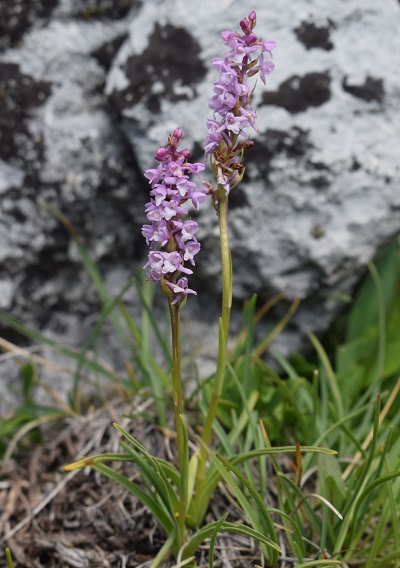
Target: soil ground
53 519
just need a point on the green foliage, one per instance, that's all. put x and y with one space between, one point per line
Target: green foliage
26 417
329 429
337 404
9 558
163 485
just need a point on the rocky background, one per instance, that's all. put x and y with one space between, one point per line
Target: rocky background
90 88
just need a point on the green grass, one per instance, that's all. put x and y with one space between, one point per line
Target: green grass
333 508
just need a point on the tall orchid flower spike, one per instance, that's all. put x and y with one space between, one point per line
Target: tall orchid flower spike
171 234
234 118
172 239
228 137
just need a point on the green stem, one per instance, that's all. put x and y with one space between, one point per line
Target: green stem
174 311
226 262
226 269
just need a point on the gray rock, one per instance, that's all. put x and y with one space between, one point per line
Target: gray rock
89 90
321 195
60 146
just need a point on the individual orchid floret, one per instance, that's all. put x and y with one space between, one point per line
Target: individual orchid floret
233 116
170 234
180 290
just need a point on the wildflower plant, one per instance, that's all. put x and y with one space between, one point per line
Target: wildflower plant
179 495
228 137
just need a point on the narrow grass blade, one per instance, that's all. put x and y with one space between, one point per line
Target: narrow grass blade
260 521
206 532
154 482
71 353
325 502
213 479
166 467
150 468
382 416
385 562
164 550
347 528
334 426
257 498
253 426
297 493
158 511
381 318
286 393
387 526
241 423
298 551
164 490
239 340
98 458
90 266
394 514
170 471
106 312
9 558
25 429
332 379
319 563
214 538
150 315
372 486
280 450
284 363
156 379
292 522
249 340
266 342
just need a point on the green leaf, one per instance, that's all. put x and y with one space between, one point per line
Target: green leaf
385 562
350 511
151 468
207 531
213 539
331 377
158 511
213 479
330 471
29 378
365 309
260 522
318 563
145 298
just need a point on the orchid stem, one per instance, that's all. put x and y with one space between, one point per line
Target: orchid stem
174 310
226 268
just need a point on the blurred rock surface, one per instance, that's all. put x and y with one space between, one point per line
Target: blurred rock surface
88 91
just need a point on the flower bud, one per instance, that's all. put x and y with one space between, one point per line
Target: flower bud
161 154
252 19
177 133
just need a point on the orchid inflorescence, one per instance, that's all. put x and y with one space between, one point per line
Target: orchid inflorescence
171 235
179 496
233 113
